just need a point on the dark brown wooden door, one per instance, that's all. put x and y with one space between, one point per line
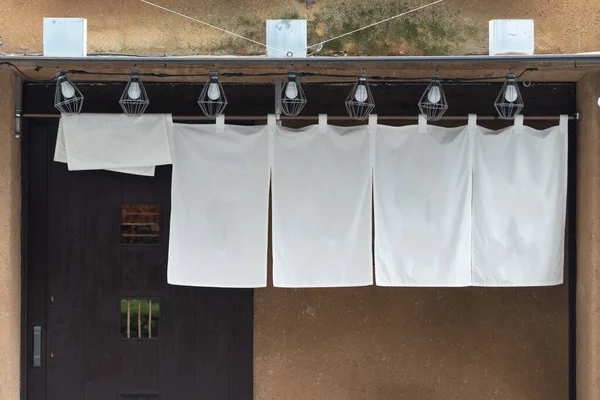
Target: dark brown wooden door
93 267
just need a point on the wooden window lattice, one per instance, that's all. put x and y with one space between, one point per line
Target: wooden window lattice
140 224
140 318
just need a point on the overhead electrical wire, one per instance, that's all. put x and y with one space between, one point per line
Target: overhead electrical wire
307 74
318 45
213 26
23 74
275 74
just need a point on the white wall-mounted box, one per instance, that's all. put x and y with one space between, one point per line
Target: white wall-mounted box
286 38
65 37
511 36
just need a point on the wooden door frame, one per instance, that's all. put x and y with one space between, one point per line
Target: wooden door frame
26 339
24 353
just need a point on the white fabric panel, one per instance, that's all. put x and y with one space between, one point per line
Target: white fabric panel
321 194
519 205
114 142
422 194
220 198
60 155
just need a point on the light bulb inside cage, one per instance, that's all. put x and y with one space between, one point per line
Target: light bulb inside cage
433 102
360 103
67 97
509 102
292 99
212 100
134 99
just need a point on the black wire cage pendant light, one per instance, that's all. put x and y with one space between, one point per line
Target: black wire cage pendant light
292 99
509 102
134 99
68 99
433 103
360 103
212 100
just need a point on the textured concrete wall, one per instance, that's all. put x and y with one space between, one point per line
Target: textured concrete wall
10 243
412 343
588 239
450 27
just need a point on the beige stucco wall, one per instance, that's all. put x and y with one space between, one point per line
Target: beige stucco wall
411 343
442 344
450 27
10 243
588 239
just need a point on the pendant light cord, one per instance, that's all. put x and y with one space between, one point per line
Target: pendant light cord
372 78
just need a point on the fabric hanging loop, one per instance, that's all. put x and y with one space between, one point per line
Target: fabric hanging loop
272 122
322 123
518 123
472 120
564 122
422 123
372 132
271 129
373 123
220 123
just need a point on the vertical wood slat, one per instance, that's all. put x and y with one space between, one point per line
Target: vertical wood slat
103 349
66 280
243 343
128 318
139 318
37 142
149 318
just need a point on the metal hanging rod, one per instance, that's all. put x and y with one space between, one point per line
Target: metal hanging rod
574 117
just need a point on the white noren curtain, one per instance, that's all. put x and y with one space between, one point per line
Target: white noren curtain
422 192
321 192
519 205
220 199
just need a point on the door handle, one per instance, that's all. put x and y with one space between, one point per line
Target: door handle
37 346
